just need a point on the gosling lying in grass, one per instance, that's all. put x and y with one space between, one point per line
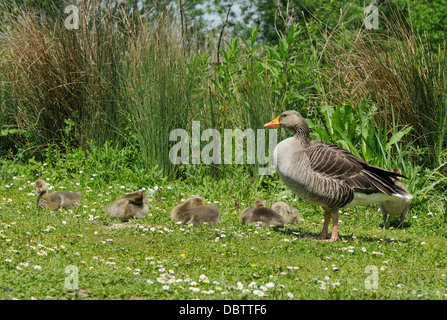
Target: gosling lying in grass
55 200
131 205
194 211
263 216
395 206
289 213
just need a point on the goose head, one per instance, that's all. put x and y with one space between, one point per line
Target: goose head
41 186
398 171
259 203
195 201
293 120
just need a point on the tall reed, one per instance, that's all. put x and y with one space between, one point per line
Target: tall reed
57 74
399 70
160 85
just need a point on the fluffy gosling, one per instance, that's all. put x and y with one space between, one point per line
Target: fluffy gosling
131 205
289 213
263 216
194 211
55 200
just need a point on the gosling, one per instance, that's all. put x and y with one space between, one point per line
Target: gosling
395 206
265 217
194 211
131 205
55 200
289 213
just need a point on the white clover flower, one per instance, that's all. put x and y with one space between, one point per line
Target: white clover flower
259 293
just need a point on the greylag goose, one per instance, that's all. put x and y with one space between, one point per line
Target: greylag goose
194 211
289 213
131 205
260 214
55 200
328 176
396 206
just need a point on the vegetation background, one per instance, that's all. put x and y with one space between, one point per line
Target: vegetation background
92 108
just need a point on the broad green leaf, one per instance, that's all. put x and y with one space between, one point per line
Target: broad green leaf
397 137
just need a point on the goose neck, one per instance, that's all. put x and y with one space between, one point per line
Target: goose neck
302 135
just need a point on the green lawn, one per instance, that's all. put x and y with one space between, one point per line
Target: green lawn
153 258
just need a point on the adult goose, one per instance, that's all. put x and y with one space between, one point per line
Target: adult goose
327 175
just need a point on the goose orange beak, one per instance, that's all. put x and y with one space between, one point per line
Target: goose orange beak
272 124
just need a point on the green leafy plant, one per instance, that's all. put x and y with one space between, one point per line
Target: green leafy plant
354 129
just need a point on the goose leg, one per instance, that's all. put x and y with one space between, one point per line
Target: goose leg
384 220
324 231
334 235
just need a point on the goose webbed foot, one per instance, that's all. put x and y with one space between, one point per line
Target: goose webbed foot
333 238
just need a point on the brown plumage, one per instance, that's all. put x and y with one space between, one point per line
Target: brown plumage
263 216
194 211
289 213
131 205
397 206
55 200
327 175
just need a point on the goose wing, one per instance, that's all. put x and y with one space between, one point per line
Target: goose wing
333 162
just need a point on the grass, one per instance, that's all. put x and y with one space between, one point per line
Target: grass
153 258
